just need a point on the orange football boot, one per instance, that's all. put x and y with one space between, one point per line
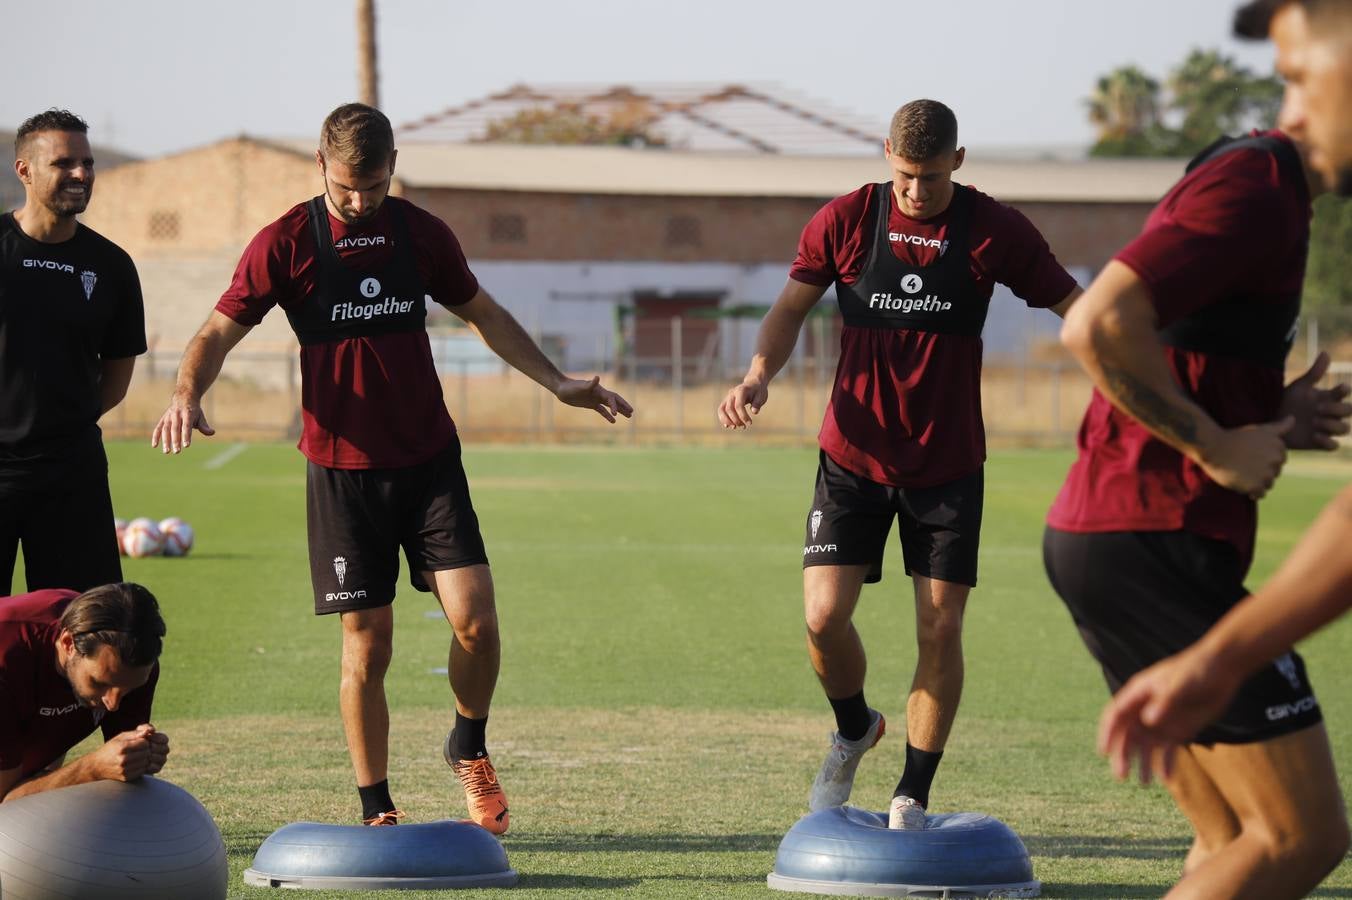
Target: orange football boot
483 795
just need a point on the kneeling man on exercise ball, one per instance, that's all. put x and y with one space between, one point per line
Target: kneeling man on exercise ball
70 663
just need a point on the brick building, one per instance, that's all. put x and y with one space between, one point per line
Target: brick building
570 238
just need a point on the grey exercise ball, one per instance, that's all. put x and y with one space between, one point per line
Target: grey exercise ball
111 840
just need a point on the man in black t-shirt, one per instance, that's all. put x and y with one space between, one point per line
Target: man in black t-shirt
71 327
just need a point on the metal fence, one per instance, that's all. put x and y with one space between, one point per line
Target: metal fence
1030 398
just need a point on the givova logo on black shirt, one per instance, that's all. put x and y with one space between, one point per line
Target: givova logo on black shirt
370 287
87 277
911 283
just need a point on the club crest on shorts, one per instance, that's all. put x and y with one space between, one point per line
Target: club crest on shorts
340 569
87 278
1287 666
815 522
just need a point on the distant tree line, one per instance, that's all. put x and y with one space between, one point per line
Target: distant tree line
629 125
1205 96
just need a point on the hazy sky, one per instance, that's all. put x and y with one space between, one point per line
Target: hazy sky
153 76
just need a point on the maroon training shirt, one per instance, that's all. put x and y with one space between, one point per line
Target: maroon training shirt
1232 228
910 400
366 402
40 719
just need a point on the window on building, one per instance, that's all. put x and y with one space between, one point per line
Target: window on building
683 231
163 226
507 228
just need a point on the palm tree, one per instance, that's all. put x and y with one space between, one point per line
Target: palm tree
1217 96
1125 104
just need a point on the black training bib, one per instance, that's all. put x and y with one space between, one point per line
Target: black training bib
350 302
892 294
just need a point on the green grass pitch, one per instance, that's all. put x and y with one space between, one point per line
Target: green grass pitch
656 724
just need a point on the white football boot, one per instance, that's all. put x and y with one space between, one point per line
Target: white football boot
833 782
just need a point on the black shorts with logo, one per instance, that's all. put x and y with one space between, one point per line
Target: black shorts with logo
851 517
1140 596
358 519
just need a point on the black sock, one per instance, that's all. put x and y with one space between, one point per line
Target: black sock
852 716
918 775
467 738
375 799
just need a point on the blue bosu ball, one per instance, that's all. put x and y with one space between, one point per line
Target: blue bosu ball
848 851
356 857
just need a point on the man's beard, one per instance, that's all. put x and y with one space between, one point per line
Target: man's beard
351 218
86 702
67 206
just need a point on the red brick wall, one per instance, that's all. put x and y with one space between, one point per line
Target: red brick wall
217 196
220 195
731 229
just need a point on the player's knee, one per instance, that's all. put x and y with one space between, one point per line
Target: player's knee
1315 847
940 632
478 634
367 660
824 622
1327 843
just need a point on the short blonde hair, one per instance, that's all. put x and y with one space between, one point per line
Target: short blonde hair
923 129
359 136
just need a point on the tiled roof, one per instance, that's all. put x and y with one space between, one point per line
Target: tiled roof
698 117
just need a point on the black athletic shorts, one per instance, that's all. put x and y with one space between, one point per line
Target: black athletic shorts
60 511
359 518
851 516
1140 596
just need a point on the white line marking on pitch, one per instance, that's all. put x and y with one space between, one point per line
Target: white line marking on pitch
229 453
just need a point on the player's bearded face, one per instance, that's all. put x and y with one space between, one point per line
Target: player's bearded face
61 169
101 681
1317 106
355 195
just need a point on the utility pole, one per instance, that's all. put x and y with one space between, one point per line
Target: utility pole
368 83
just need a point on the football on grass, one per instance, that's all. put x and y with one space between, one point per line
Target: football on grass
142 538
177 536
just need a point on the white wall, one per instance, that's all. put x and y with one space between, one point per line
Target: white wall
576 302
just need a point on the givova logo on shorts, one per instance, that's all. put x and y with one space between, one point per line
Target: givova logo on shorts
340 569
1287 667
1285 710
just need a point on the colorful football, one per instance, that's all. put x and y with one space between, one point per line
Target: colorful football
142 538
177 535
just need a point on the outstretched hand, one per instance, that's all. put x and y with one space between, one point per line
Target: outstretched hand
1320 414
174 429
742 404
589 394
1161 708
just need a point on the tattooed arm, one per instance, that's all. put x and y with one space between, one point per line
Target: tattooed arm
1111 330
